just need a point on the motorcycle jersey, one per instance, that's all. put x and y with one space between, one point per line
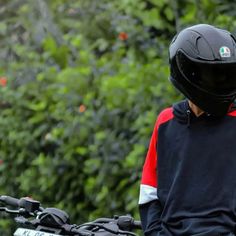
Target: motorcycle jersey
188 184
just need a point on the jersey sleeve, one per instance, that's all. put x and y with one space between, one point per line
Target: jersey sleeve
149 205
148 187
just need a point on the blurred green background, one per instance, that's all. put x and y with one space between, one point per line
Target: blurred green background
81 84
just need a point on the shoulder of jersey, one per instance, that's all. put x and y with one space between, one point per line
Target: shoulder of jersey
232 113
165 115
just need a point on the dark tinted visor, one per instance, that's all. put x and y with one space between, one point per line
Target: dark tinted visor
214 78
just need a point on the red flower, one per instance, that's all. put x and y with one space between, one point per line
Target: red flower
3 81
123 36
82 108
1 161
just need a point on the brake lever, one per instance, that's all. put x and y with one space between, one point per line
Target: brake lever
11 211
22 220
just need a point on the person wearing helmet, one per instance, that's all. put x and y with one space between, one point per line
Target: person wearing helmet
188 184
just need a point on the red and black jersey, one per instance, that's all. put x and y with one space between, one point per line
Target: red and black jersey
188 184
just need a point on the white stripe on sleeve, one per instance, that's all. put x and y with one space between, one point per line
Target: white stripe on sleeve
147 194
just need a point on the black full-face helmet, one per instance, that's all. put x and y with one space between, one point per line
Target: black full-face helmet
203 67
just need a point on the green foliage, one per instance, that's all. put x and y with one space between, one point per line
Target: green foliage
85 82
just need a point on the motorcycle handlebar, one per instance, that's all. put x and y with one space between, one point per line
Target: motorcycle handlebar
137 224
56 218
11 201
125 222
27 203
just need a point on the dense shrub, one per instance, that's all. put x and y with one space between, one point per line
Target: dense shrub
85 82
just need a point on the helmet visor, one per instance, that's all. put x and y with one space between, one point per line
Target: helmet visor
214 78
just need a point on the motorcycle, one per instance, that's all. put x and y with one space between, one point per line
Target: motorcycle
34 220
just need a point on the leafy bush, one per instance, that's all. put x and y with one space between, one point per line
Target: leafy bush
85 82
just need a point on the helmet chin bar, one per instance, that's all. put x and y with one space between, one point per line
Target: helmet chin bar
219 109
210 105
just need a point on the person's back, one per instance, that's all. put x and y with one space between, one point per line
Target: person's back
189 177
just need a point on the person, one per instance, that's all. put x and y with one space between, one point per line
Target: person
188 184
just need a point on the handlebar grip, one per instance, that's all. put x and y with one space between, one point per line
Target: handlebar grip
128 223
11 201
28 204
137 224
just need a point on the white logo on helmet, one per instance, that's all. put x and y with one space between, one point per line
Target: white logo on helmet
225 52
